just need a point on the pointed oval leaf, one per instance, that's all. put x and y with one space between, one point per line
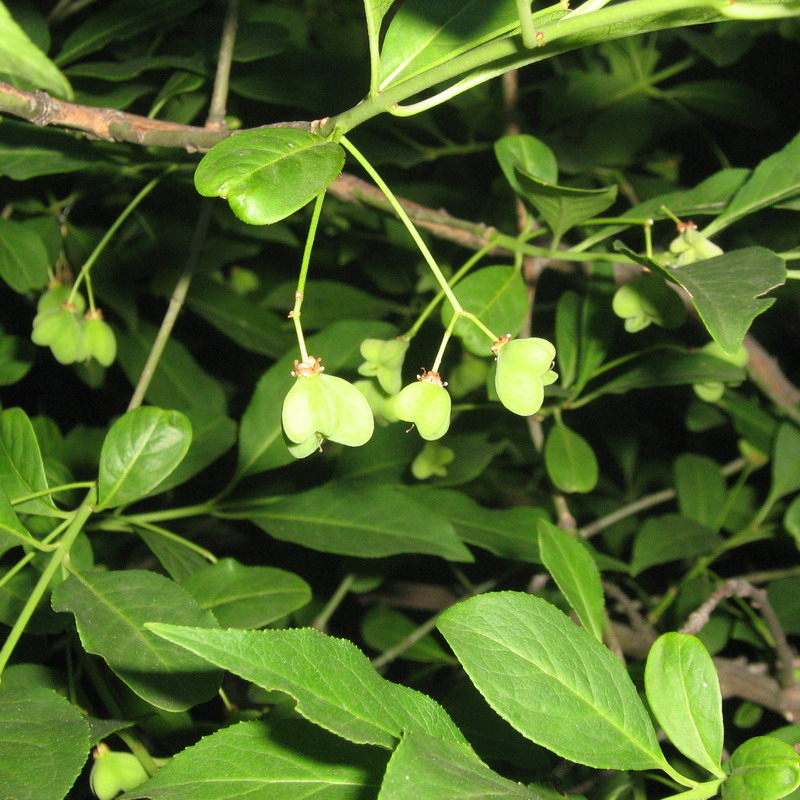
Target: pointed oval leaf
684 695
669 538
576 573
275 759
268 174
700 486
570 460
552 680
142 448
247 597
527 153
332 681
110 610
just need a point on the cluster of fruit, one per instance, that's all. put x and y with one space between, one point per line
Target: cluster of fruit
72 333
320 406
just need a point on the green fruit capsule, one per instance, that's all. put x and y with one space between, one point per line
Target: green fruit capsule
99 340
648 299
432 460
114 772
57 295
62 331
426 404
523 370
384 361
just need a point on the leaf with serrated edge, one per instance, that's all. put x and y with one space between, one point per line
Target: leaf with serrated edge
332 681
683 692
551 680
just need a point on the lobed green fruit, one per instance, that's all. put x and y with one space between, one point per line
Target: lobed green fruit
691 246
56 295
426 404
711 391
432 460
61 330
523 370
384 361
99 341
114 772
648 299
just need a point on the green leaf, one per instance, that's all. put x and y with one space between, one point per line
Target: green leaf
568 317
16 358
776 178
275 759
422 34
383 628
368 521
12 532
177 559
110 610
44 741
785 461
552 680
497 296
684 695
527 154
142 448
332 681
701 488
570 460
473 452
445 769
21 466
24 64
576 574
672 367
726 290
24 262
563 207
119 21
268 174
762 768
671 538
261 444
247 597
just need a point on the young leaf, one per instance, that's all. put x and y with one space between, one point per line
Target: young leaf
762 768
268 174
142 448
445 769
497 296
354 519
684 695
576 573
570 460
21 466
110 610
43 745
553 681
279 759
332 681
247 597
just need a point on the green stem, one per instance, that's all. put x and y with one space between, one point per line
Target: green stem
443 346
219 97
64 487
187 543
323 618
301 278
101 245
81 515
405 219
169 513
43 546
526 23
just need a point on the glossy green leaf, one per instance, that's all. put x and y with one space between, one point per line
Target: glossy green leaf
23 256
44 743
672 367
247 597
701 488
275 759
445 769
528 154
21 466
110 610
422 35
270 173
12 532
383 628
762 768
261 444
142 448
570 460
785 461
367 521
670 537
576 574
776 178
332 681
498 297
684 695
24 64
553 681
563 207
